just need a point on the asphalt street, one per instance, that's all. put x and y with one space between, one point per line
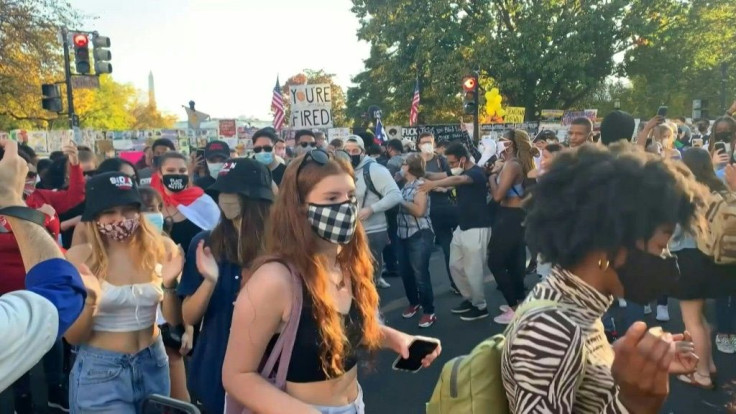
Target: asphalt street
388 391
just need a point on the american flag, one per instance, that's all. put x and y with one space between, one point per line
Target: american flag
414 114
380 137
277 106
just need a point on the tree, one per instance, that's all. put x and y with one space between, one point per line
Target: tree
146 116
540 54
310 76
30 54
107 108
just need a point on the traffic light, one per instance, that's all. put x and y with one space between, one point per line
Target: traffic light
470 98
81 52
102 54
51 97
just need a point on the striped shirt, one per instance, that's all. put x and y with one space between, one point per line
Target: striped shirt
543 356
407 224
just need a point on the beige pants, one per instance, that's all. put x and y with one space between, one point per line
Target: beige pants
468 253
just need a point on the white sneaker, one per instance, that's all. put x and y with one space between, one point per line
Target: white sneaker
382 283
647 309
724 344
621 302
663 313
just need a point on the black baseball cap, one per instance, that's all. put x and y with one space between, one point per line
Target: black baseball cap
217 148
246 177
108 190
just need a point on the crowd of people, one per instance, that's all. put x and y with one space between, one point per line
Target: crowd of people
290 247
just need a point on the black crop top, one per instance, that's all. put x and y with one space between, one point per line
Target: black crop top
305 364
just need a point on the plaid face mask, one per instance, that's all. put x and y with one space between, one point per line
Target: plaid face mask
120 230
335 223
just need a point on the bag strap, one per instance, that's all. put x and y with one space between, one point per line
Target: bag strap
369 181
284 346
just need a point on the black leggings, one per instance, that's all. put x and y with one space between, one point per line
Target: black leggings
507 253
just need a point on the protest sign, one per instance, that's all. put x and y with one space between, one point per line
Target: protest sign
552 115
227 128
447 132
311 106
514 114
338 133
569 116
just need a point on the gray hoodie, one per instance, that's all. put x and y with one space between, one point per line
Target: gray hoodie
385 185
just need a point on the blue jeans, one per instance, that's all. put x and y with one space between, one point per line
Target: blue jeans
414 254
355 407
725 315
110 382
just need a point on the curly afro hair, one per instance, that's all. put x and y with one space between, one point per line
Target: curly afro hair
602 199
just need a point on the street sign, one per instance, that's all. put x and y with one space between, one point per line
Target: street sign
85 82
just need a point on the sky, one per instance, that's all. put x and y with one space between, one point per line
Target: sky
225 54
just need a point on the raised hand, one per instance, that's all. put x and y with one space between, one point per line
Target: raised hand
13 170
206 263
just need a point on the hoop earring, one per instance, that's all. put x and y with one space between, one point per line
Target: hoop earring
603 264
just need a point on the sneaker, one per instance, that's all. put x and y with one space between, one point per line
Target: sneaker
505 318
622 303
724 344
663 313
504 308
474 314
463 307
647 309
410 311
382 283
58 398
427 320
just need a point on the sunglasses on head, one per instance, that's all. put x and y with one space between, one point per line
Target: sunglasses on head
266 148
308 144
317 155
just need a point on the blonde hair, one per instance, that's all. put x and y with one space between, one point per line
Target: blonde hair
523 145
659 130
146 243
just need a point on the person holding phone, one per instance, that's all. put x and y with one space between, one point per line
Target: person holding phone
605 216
723 144
317 212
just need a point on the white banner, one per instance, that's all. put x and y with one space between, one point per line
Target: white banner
338 133
311 106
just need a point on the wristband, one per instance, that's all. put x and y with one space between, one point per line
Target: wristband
24 213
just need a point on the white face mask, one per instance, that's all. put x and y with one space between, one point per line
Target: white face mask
501 147
427 148
214 168
456 170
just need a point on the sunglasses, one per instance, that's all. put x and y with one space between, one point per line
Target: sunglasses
266 148
317 155
308 144
31 175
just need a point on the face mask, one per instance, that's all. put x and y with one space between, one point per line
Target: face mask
456 170
175 182
355 160
265 158
29 187
335 223
156 160
501 147
120 230
231 211
214 168
646 276
402 173
723 136
427 148
156 220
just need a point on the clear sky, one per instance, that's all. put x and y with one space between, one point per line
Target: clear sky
225 54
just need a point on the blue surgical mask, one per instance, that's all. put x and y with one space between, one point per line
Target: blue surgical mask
265 158
156 220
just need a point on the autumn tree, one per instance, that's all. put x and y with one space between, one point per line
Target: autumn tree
110 107
147 116
310 76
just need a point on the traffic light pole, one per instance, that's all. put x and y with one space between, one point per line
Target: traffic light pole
73 120
476 117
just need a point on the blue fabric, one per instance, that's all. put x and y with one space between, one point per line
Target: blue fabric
110 382
59 282
414 255
205 367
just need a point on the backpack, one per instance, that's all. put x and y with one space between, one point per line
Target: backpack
719 240
472 384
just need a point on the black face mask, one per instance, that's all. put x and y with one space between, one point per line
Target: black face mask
646 276
355 160
723 136
175 182
156 161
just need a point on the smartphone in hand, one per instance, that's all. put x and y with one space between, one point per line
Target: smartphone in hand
419 348
662 111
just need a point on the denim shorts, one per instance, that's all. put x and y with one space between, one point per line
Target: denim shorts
103 381
355 407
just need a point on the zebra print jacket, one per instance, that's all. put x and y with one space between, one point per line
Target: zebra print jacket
543 356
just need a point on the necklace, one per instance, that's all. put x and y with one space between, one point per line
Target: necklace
341 284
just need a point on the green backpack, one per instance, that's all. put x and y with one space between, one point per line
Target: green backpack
472 384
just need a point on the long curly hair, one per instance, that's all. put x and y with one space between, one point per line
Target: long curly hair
599 198
145 244
522 149
289 236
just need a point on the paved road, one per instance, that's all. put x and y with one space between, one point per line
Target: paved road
391 392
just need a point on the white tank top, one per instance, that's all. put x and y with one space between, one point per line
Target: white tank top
127 308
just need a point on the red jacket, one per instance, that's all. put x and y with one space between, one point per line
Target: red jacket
12 271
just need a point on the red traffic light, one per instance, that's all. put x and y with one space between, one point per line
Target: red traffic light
80 40
470 84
